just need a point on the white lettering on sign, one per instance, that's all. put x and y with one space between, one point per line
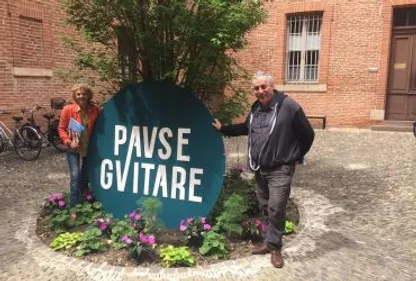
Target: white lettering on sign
181 142
141 145
106 179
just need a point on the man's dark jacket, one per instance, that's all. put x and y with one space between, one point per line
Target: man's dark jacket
290 135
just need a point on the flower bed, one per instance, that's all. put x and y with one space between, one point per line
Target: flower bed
87 232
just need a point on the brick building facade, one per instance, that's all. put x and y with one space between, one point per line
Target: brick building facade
332 56
30 50
358 81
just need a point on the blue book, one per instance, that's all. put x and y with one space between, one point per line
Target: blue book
75 126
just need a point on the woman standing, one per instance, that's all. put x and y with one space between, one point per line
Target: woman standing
85 113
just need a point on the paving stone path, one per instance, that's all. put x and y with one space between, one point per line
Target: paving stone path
357 202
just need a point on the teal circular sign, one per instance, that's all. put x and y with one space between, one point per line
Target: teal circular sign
156 139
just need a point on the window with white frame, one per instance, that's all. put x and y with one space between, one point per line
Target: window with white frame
303 46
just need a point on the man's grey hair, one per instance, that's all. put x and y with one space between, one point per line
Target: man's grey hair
260 75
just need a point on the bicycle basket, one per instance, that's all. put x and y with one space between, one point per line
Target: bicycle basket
58 103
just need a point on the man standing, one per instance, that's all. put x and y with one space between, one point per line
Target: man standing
279 136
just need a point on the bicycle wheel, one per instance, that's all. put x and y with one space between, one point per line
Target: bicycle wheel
29 145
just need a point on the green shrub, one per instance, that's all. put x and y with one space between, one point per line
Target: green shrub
152 207
233 215
63 219
214 245
120 229
289 227
176 256
90 242
235 184
66 240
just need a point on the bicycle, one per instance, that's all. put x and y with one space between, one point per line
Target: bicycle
25 139
50 135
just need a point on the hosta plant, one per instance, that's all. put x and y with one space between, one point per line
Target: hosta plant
176 256
66 240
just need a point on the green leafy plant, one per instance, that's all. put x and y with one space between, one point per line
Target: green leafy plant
214 245
90 242
152 207
66 240
85 213
58 220
176 256
61 220
289 227
233 215
120 229
235 184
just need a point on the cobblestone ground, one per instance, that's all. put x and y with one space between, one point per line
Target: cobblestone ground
356 197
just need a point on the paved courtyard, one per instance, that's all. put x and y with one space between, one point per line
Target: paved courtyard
357 203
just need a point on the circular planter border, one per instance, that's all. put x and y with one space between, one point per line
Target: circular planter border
314 209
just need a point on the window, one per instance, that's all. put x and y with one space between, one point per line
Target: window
303 46
404 17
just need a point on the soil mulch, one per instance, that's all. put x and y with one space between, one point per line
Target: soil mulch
237 247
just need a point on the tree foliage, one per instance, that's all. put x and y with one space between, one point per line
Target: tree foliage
189 42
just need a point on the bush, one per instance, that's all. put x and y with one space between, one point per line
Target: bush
233 215
176 256
66 240
214 245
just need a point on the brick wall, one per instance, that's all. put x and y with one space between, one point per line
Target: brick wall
30 50
355 39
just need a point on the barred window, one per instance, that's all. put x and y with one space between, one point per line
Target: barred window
303 46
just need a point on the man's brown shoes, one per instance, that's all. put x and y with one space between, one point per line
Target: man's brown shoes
260 250
276 258
276 255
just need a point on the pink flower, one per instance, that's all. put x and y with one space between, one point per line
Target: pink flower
59 196
207 227
132 214
100 220
126 239
137 217
61 204
134 225
203 220
51 198
88 197
182 222
182 227
189 220
152 240
103 226
143 238
73 216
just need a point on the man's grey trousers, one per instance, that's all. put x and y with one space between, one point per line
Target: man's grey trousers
273 191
